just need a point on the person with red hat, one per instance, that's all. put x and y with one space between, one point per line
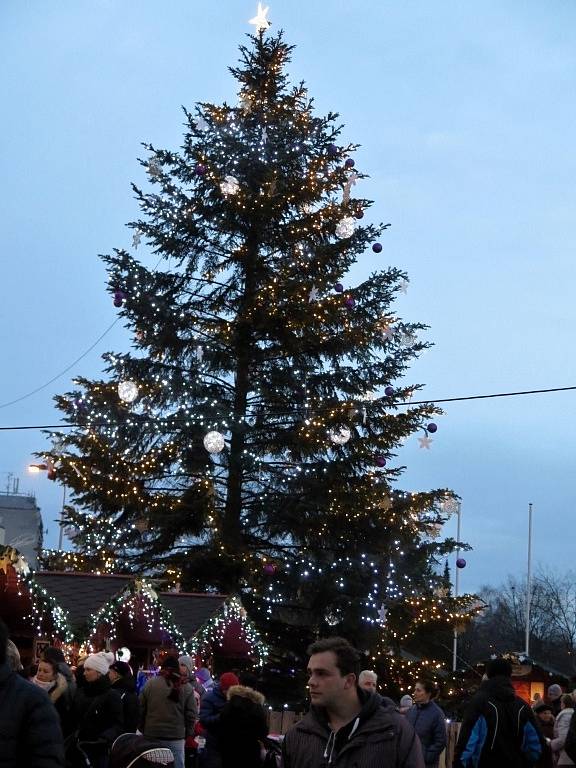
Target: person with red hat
210 709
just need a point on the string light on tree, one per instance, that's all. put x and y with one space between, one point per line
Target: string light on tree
253 273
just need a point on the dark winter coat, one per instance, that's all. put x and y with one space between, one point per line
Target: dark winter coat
499 729
242 727
126 689
211 705
429 723
379 736
163 718
30 735
97 712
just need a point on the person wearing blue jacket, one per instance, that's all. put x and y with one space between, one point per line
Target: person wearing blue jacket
211 706
429 722
499 729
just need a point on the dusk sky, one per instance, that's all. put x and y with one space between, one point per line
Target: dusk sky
466 114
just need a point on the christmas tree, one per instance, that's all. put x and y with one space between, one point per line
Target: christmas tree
247 442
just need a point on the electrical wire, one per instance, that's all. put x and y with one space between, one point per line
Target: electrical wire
280 413
58 375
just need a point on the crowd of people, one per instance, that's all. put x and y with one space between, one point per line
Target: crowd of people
54 717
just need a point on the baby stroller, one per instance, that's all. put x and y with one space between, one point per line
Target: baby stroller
133 751
273 754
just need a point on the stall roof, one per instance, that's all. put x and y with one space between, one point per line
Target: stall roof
191 609
81 594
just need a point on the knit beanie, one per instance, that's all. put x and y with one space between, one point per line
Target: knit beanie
203 675
554 691
13 656
99 661
227 679
406 701
186 661
123 669
171 663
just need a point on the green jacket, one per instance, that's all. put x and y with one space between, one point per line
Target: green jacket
163 718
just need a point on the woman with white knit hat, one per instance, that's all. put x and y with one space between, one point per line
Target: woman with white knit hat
97 711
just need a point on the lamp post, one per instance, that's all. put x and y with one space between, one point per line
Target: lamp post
529 581
35 469
456 585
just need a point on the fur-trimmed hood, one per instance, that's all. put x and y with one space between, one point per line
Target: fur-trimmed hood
246 693
59 689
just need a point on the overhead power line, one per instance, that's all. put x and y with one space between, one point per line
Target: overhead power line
282 413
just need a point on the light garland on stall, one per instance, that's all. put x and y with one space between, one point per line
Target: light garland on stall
137 598
44 610
211 634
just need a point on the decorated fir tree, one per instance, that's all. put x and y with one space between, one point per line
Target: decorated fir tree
247 441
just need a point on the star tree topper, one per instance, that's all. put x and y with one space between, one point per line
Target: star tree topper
260 21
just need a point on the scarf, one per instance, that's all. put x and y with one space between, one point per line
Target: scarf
174 681
45 686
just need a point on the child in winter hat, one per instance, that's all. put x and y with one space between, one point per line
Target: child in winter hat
99 662
227 680
205 678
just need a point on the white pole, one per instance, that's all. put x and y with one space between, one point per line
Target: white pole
456 586
529 580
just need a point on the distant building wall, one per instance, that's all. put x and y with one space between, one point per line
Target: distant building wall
21 519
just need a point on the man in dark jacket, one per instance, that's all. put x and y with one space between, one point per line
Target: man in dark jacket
499 729
347 726
30 734
122 679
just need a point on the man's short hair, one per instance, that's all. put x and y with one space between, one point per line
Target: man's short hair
3 641
498 667
347 657
367 674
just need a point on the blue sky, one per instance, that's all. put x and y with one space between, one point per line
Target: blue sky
465 113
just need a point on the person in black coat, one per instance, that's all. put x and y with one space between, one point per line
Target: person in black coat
54 683
242 728
97 711
429 722
122 681
30 735
499 729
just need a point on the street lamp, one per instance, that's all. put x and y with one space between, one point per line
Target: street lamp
35 469
48 467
